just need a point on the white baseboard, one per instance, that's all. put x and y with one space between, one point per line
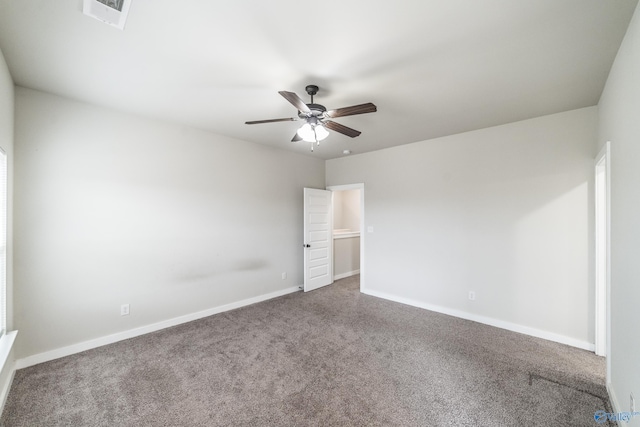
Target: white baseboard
6 387
132 333
615 405
7 366
550 336
347 274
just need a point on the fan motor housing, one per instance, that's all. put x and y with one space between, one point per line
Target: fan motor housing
317 110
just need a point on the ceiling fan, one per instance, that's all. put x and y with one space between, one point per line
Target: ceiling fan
317 117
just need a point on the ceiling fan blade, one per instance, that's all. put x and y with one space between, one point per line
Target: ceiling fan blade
295 101
353 110
257 122
341 129
296 138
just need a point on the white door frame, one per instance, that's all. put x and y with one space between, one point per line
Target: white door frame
603 254
359 186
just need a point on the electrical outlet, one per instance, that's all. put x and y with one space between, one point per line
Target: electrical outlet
472 296
124 310
632 403
284 275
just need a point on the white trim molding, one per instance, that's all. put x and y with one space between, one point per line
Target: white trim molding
615 405
7 366
514 327
602 233
132 333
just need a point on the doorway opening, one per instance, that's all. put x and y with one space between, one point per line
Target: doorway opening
348 231
602 254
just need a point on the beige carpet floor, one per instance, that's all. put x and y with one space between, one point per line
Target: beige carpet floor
331 357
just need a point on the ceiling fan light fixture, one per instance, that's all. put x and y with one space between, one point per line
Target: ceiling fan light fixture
312 133
306 133
321 132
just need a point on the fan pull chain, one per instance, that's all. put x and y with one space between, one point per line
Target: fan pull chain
315 135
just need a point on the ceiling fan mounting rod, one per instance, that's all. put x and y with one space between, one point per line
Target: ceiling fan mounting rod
311 90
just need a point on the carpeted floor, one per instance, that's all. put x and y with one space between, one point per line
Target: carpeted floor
331 357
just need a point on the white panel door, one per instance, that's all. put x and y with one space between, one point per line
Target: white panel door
318 243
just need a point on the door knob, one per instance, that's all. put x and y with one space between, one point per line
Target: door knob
306 246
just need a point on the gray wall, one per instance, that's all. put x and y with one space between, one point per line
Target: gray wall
619 111
346 256
346 210
113 208
504 212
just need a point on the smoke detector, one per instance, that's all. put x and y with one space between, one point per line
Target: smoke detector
112 12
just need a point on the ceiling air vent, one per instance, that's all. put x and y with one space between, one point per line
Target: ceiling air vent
112 12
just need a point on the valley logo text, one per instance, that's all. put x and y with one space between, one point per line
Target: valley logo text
601 417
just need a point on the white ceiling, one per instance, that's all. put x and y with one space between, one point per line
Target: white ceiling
433 68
